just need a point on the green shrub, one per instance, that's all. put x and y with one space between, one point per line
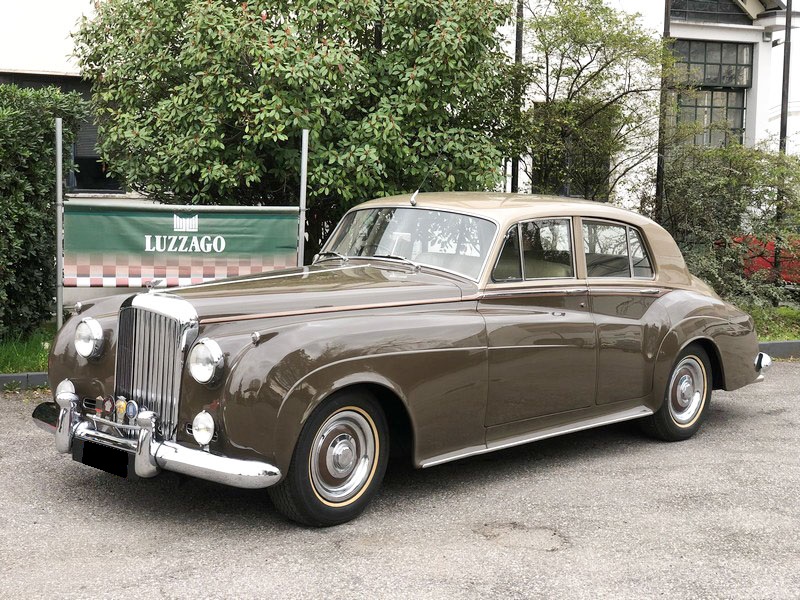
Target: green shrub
27 201
718 197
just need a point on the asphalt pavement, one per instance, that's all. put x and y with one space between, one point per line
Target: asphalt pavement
606 513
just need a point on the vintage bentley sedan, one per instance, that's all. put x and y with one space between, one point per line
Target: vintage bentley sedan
436 326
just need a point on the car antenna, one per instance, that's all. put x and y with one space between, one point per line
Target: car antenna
413 200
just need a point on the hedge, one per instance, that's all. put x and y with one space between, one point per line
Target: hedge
27 200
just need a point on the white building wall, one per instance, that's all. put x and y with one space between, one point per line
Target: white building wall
35 36
774 109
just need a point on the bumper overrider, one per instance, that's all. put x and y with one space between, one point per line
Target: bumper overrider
149 454
763 362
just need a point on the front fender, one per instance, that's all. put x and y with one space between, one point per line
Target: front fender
433 360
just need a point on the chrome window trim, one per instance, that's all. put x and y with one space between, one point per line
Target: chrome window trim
571 244
628 227
518 226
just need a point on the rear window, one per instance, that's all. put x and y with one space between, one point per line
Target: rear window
615 250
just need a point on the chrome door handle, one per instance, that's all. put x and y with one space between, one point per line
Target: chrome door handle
652 291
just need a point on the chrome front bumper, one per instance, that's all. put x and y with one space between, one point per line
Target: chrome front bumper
150 455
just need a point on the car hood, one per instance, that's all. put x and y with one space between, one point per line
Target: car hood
315 288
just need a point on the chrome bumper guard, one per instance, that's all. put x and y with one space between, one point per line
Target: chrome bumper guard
763 362
151 455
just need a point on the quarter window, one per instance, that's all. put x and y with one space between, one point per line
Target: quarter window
509 267
614 251
639 258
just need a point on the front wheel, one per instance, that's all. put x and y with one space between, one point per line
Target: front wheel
338 463
686 399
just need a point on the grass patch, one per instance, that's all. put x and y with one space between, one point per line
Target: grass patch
29 354
776 324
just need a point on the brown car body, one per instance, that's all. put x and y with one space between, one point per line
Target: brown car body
460 366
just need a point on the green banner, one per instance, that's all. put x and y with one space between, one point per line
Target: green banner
131 244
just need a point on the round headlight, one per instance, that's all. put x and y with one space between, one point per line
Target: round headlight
203 428
89 338
206 361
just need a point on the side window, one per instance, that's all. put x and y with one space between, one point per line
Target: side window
547 249
639 258
508 267
606 248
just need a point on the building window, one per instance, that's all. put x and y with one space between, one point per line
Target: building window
709 11
720 72
715 64
720 112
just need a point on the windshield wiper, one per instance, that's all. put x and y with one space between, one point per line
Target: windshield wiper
408 261
333 254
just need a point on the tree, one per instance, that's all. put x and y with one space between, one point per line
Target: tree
592 77
27 201
204 102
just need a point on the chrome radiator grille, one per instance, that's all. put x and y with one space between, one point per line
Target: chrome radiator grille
149 361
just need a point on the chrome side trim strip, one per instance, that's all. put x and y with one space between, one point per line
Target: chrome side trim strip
330 309
618 417
534 292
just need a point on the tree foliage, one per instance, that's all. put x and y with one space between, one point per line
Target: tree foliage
204 102
27 201
591 77
719 201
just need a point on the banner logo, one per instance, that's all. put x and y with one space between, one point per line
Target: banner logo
185 223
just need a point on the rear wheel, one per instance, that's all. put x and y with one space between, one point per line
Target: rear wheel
338 463
686 399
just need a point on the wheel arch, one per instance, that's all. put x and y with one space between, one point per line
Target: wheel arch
676 341
712 351
308 395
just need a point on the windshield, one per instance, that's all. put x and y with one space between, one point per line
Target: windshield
440 239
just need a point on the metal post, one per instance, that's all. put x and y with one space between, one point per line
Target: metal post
303 184
658 207
59 229
779 208
517 89
787 53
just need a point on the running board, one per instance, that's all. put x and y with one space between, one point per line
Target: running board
517 440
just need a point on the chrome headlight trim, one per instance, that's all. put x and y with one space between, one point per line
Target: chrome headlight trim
206 361
89 338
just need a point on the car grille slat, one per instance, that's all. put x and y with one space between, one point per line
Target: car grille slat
149 355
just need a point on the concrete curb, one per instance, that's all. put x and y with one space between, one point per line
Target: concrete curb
22 381
786 349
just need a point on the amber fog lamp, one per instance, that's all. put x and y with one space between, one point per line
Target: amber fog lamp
206 361
89 338
203 428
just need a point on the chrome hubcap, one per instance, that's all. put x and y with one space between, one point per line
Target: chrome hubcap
687 390
343 456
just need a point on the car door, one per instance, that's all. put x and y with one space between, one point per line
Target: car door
623 293
541 338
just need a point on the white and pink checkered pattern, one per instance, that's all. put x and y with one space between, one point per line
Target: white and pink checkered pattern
125 270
